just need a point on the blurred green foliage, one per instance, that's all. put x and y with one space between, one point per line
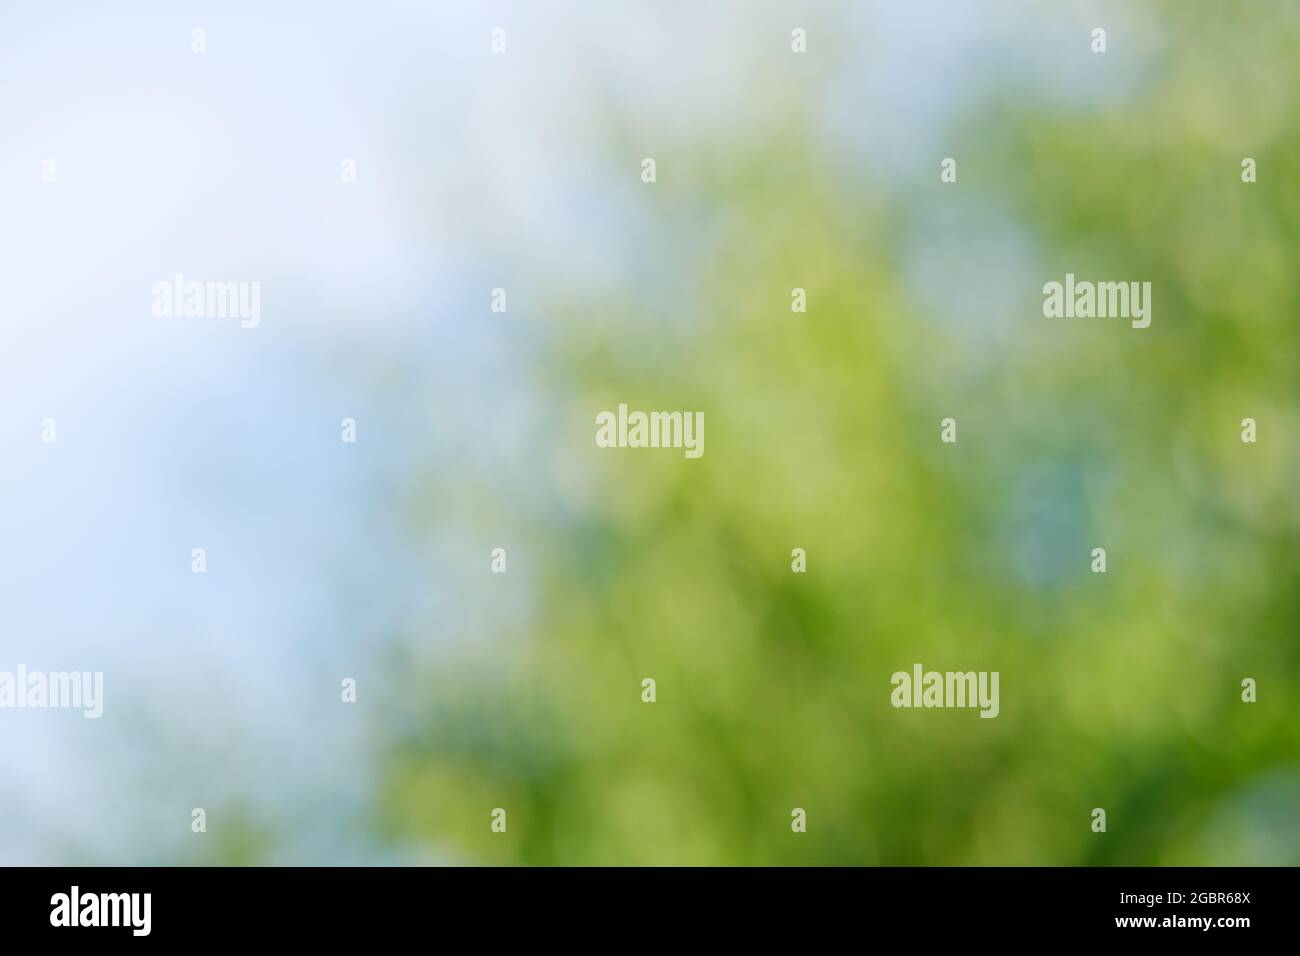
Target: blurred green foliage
1119 691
